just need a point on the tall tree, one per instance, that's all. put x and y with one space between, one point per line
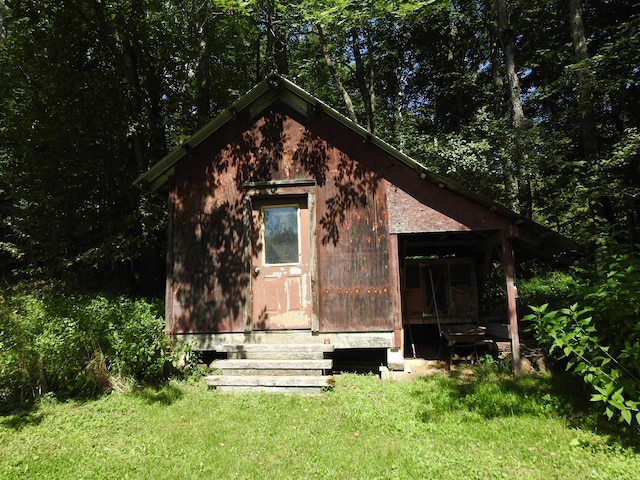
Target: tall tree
92 93
517 186
324 46
585 84
362 46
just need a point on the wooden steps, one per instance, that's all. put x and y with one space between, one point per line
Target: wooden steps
276 351
276 368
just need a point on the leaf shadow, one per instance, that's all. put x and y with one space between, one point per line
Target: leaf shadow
490 395
21 419
164 395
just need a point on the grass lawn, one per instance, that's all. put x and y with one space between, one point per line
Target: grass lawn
431 428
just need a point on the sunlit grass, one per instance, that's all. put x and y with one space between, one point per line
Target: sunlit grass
487 426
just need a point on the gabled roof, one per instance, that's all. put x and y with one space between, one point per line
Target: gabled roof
277 88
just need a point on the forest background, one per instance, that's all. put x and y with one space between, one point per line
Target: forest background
532 103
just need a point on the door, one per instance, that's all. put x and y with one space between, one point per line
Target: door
281 282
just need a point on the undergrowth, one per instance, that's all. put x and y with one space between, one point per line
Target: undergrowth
73 345
597 336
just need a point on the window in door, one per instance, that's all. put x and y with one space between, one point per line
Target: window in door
281 235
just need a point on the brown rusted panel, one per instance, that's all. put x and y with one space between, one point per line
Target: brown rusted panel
418 206
212 241
352 240
213 244
210 277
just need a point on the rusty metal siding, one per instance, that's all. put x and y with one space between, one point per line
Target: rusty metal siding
210 246
212 238
213 241
417 206
355 289
353 257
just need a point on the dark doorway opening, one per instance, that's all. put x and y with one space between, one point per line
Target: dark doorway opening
423 341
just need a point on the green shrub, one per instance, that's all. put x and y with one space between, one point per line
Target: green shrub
77 345
553 288
599 338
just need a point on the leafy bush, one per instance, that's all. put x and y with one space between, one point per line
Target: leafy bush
75 345
600 340
553 288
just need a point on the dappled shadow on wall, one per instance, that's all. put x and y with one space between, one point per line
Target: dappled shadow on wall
213 235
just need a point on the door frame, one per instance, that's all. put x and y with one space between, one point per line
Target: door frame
276 191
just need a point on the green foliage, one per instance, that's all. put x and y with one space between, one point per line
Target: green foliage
93 93
553 287
77 345
600 340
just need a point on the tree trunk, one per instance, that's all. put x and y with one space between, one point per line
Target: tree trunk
157 131
367 92
203 101
399 128
334 75
517 186
585 89
372 93
506 35
276 49
3 27
497 75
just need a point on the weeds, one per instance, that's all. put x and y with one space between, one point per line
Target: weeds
78 345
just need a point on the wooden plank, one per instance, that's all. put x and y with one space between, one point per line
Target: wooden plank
309 347
394 288
268 381
313 259
210 341
508 265
272 364
169 258
251 371
274 390
276 355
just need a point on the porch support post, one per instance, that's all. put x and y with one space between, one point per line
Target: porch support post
394 290
395 354
168 288
508 266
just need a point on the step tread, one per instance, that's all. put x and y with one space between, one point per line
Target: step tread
268 381
280 372
272 390
271 364
281 355
274 347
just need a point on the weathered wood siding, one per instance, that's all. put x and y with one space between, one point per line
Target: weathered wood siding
355 284
212 239
362 199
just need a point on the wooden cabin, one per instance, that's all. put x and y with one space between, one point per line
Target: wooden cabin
289 223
